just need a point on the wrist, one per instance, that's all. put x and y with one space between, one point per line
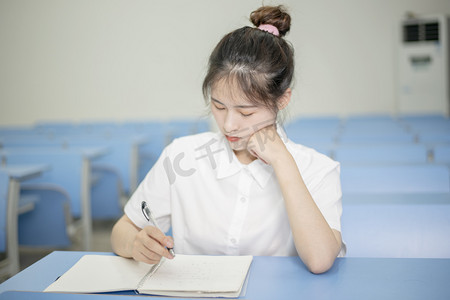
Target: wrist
283 160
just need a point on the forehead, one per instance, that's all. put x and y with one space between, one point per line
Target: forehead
229 92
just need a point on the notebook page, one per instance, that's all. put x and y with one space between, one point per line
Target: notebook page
100 273
198 273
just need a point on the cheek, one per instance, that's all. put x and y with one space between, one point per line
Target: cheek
263 120
217 116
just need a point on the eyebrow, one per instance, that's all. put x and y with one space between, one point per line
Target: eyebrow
237 106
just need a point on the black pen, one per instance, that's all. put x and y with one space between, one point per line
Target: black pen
149 216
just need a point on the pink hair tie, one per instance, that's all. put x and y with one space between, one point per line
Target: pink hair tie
269 28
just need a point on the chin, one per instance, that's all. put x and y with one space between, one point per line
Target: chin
238 146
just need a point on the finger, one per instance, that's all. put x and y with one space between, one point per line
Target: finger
252 152
169 242
141 256
141 250
147 251
157 241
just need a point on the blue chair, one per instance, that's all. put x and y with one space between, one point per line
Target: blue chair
202 125
55 127
426 117
434 138
427 124
321 128
376 137
32 140
318 133
381 154
372 124
316 122
106 193
371 130
149 154
180 127
441 154
46 225
370 118
403 179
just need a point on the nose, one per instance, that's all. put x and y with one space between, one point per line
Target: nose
231 123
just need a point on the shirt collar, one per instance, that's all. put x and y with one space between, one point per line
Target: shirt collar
229 165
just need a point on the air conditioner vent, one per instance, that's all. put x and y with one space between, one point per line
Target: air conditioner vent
411 33
432 32
421 31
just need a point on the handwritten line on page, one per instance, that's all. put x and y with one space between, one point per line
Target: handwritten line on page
184 276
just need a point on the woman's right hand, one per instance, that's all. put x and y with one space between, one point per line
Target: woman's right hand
147 245
150 244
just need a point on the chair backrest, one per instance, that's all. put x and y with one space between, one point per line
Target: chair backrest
382 153
434 138
373 126
65 169
370 179
441 154
376 137
430 124
4 182
323 129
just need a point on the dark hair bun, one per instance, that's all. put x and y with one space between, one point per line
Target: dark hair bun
273 15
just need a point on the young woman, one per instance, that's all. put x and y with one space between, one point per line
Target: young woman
246 189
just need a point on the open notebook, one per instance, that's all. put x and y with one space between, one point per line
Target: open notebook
183 276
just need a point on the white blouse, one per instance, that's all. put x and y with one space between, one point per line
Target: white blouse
215 205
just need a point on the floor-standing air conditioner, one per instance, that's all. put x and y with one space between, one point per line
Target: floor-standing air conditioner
424 65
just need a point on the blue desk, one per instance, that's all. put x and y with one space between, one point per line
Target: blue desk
17 174
281 278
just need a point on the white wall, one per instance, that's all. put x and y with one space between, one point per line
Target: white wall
136 59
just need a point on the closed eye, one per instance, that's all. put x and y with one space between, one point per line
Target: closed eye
218 107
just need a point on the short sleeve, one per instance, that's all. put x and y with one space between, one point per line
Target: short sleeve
155 190
328 196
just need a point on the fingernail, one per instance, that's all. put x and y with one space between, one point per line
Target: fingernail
169 244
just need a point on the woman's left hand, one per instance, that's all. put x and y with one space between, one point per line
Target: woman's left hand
266 144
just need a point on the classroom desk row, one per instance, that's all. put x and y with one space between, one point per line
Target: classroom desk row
275 278
70 170
124 152
410 225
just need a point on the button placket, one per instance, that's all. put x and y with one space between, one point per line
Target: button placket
240 212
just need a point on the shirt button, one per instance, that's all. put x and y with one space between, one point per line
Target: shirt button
243 199
233 241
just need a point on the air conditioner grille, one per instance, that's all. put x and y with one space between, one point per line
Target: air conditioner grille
421 31
432 32
411 33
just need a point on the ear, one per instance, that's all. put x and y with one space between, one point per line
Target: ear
284 100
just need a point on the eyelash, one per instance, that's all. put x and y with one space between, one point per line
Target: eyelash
222 108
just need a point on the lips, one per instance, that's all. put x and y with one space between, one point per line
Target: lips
232 138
